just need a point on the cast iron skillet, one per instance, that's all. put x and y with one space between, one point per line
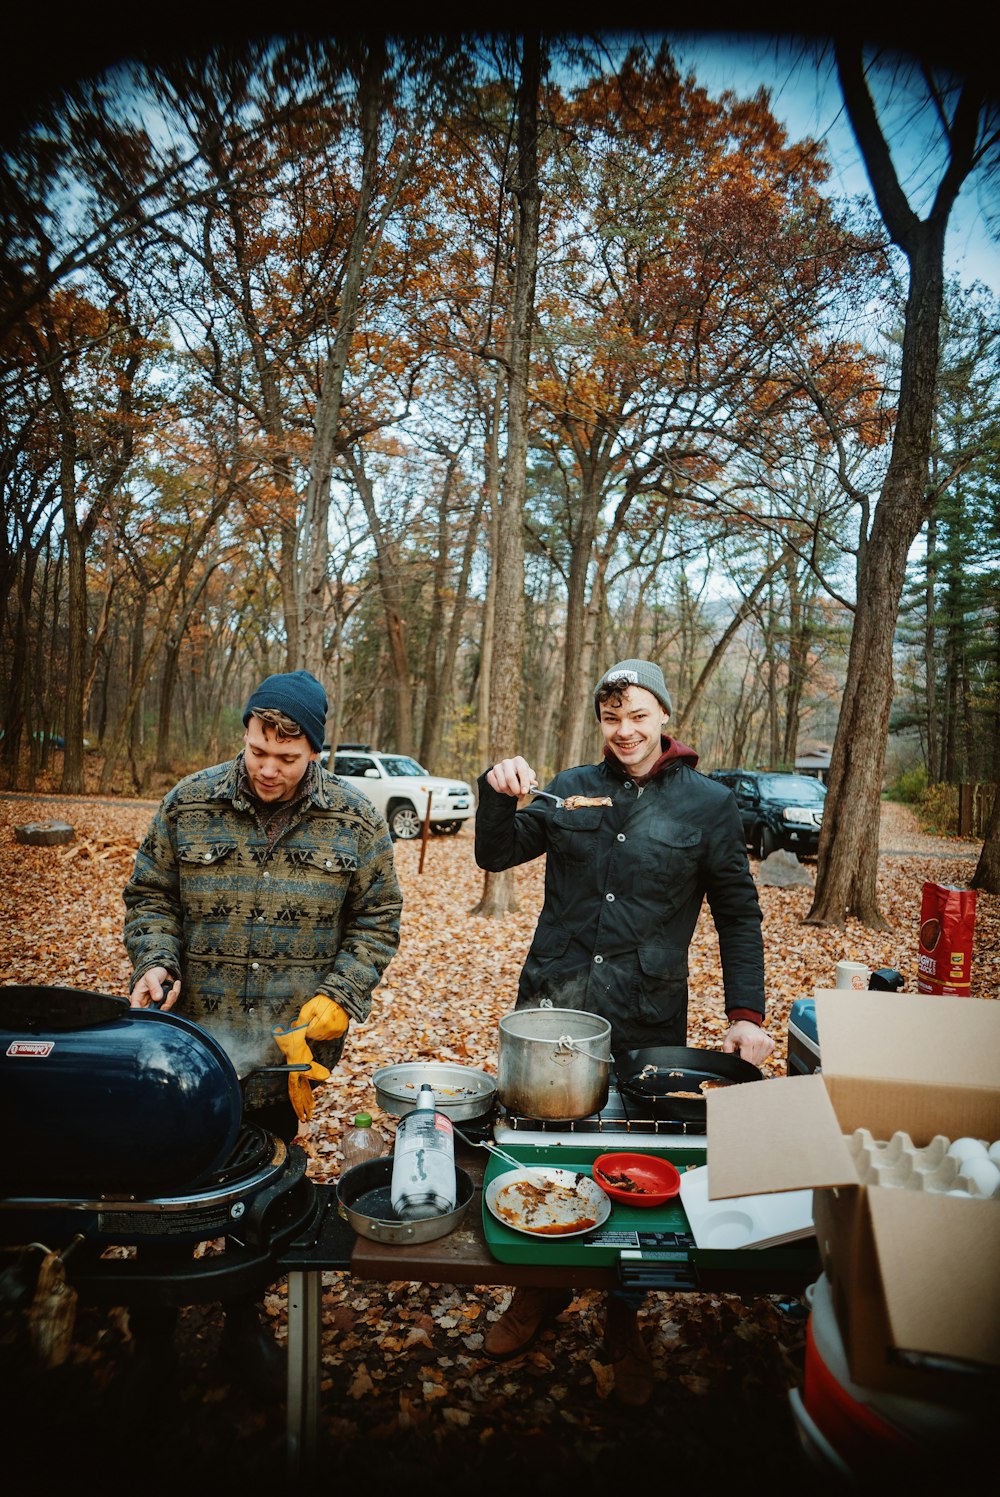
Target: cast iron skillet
650 1078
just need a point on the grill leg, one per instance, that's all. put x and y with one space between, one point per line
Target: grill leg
305 1297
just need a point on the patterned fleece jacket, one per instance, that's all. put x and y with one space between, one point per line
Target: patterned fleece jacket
255 930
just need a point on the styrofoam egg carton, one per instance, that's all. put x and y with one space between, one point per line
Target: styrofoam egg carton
968 1167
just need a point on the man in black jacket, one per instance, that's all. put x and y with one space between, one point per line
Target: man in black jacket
625 876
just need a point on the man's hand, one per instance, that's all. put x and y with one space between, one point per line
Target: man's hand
325 1018
749 1041
512 777
294 1047
322 1018
150 991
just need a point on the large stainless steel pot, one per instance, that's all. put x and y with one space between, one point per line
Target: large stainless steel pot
554 1063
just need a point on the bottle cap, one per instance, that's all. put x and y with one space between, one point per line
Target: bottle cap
363 1120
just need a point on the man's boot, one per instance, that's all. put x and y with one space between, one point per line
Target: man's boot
529 1312
249 1354
635 1378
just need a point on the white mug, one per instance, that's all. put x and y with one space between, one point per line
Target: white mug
852 975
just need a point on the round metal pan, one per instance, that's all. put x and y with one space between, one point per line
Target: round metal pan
652 1077
363 1200
460 1092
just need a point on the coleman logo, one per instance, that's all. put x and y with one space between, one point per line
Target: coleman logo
38 1048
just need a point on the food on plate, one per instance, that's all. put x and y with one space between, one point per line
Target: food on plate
624 1182
442 1091
550 1209
576 802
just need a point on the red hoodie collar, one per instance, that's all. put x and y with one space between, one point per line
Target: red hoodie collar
673 752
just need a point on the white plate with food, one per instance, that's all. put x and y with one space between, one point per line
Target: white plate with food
543 1202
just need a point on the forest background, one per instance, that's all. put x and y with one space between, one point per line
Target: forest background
259 318
271 400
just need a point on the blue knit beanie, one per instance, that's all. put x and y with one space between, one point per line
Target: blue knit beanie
299 696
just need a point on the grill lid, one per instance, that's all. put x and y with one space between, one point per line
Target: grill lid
103 1097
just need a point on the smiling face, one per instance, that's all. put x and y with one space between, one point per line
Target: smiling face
632 728
274 765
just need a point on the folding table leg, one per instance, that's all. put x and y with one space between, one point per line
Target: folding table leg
305 1298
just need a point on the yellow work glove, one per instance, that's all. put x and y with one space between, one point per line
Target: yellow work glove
294 1047
325 1018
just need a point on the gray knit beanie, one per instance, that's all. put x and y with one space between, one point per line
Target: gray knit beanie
635 673
299 696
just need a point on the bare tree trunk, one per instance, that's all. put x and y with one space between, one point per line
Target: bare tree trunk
491 492
170 617
138 623
930 653
393 607
18 684
311 575
848 846
439 692
366 237
78 533
580 629
687 714
800 636
987 874
168 685
212 746
76 637
499 892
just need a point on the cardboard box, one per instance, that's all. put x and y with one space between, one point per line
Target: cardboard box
915 1276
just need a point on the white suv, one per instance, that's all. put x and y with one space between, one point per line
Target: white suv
398 787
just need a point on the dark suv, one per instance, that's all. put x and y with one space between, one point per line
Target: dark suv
777 810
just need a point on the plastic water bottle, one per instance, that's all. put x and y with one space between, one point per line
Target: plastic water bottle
362 1142
423 1165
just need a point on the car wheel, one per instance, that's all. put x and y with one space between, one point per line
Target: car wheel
768 842
404 823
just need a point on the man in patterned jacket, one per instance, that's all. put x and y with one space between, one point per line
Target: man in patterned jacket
264 904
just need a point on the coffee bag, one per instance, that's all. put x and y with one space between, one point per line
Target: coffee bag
944 943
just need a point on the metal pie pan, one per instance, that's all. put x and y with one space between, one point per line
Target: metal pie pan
460 1092
363 1200
548 1203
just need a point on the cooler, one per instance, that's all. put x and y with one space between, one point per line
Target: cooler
803 1038
853 1432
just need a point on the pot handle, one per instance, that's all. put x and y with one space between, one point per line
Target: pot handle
567 1046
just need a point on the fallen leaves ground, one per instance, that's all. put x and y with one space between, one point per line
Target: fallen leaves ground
408 1397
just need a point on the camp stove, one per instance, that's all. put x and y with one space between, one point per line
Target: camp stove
620 1124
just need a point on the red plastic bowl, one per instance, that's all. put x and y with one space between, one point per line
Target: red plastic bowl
656 1179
